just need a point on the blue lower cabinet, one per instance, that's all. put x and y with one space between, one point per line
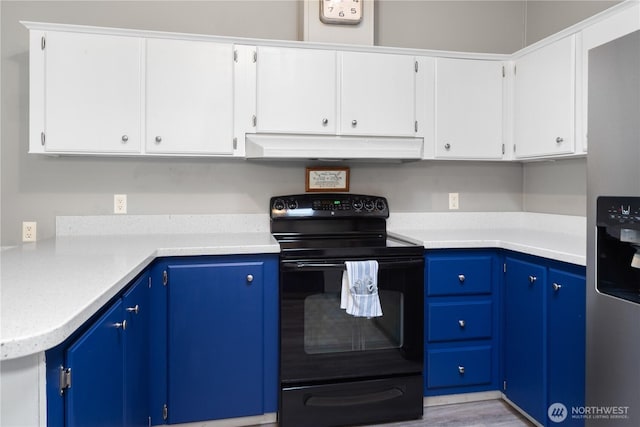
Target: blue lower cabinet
524 344
106 368
136 304
566 323
452 321
544 346
461 321
457 367
96 366
191 339
222 338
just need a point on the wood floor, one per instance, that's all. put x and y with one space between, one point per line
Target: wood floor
487 413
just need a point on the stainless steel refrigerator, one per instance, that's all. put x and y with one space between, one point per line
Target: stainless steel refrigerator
613 247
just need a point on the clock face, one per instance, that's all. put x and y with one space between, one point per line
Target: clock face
341 11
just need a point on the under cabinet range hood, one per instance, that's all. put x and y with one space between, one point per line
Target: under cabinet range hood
277 146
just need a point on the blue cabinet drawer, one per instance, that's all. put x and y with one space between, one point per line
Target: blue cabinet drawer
455 367
449 321
459 275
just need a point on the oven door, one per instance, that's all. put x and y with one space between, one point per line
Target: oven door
320 342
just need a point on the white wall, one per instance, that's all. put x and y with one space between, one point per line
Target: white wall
37 188
543 17
467 26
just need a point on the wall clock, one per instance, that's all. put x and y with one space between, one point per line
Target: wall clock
341 11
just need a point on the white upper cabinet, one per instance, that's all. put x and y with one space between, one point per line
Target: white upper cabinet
296 91
425 103
87 97
469 109
377 94
189 97
544 101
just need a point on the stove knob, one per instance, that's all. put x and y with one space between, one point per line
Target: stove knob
278 205
357 205
369 205
381 205
293 204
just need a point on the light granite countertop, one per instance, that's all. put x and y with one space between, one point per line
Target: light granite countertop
51 287
557 237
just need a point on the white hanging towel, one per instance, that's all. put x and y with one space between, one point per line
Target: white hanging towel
359 294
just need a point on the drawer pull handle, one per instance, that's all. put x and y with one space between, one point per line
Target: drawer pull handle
133 310
462 323
532 279
122 325
249 278
461 370
556 287
461 278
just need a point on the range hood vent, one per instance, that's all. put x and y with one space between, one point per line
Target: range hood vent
260 146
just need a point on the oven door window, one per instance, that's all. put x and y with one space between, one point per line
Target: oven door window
319 340
329 329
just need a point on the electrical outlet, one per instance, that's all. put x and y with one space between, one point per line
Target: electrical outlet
454 201
119 203
29 229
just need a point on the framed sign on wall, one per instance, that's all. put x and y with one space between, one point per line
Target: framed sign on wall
320 179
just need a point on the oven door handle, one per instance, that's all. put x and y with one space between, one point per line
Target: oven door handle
360 399
301 265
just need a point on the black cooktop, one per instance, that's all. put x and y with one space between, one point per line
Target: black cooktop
334 225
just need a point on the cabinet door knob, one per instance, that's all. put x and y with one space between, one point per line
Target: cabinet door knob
556 287
158 139
532 279
462 323
461 278
122 325
354 123
249 278
461 370
447 146
125 139
133 310
559 140
325 122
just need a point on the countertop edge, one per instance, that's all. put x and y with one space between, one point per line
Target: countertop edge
53 335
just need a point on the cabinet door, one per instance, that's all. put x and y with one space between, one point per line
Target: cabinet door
95 397
544 100
215 357
377 94
189 91
468 109
92 93
524 345
137 310
296 90
566 301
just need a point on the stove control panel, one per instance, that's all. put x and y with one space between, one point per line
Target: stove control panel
329 205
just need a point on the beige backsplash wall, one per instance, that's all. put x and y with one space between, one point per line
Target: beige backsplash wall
555 187
38 188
